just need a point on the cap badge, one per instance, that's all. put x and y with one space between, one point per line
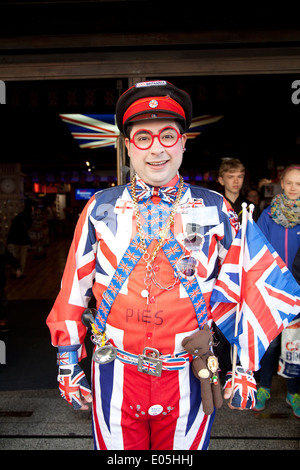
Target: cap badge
153 104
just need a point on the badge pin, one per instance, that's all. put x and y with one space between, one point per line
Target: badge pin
212 364
155 410
153 104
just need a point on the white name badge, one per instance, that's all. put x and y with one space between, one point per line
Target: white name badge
155 410
204 215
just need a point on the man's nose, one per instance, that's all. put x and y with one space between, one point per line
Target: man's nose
156 145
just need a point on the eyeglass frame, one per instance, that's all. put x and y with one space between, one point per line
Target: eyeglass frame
155 135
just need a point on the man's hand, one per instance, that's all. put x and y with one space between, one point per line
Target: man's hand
227 396
74 387
244 390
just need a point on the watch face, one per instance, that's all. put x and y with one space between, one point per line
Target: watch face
8 185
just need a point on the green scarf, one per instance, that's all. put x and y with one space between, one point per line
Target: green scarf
285 211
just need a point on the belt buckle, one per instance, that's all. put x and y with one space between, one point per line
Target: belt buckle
149 362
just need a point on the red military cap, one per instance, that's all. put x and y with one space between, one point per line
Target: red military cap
155 99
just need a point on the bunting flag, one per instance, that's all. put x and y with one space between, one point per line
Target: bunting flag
92 130
100 130
267 294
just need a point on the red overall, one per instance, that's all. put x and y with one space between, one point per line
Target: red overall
133 410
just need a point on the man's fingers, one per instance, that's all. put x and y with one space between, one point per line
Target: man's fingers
227 393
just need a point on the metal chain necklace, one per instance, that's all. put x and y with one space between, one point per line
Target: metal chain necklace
150 274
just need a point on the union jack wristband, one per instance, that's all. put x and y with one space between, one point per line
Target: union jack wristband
66 357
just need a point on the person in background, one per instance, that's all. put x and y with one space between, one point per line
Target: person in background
280 223
18 239
231 177
6 258
296 266
253 196
52 220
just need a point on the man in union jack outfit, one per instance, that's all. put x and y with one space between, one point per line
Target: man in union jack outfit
149 252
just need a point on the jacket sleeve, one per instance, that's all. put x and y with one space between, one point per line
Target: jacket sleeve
264 222
64 320
296 266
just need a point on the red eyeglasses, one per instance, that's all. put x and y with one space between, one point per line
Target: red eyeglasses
143 139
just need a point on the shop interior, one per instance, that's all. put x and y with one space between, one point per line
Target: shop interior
44 167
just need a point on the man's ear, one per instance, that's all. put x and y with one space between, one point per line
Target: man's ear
127 144
221 181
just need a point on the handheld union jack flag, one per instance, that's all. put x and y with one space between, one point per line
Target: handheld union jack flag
266 292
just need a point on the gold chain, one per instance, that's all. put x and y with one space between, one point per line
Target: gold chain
163 233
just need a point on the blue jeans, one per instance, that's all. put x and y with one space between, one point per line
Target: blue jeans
269 364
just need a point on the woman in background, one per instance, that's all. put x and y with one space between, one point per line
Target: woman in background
280 223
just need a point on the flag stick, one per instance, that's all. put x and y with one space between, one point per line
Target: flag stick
237 317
